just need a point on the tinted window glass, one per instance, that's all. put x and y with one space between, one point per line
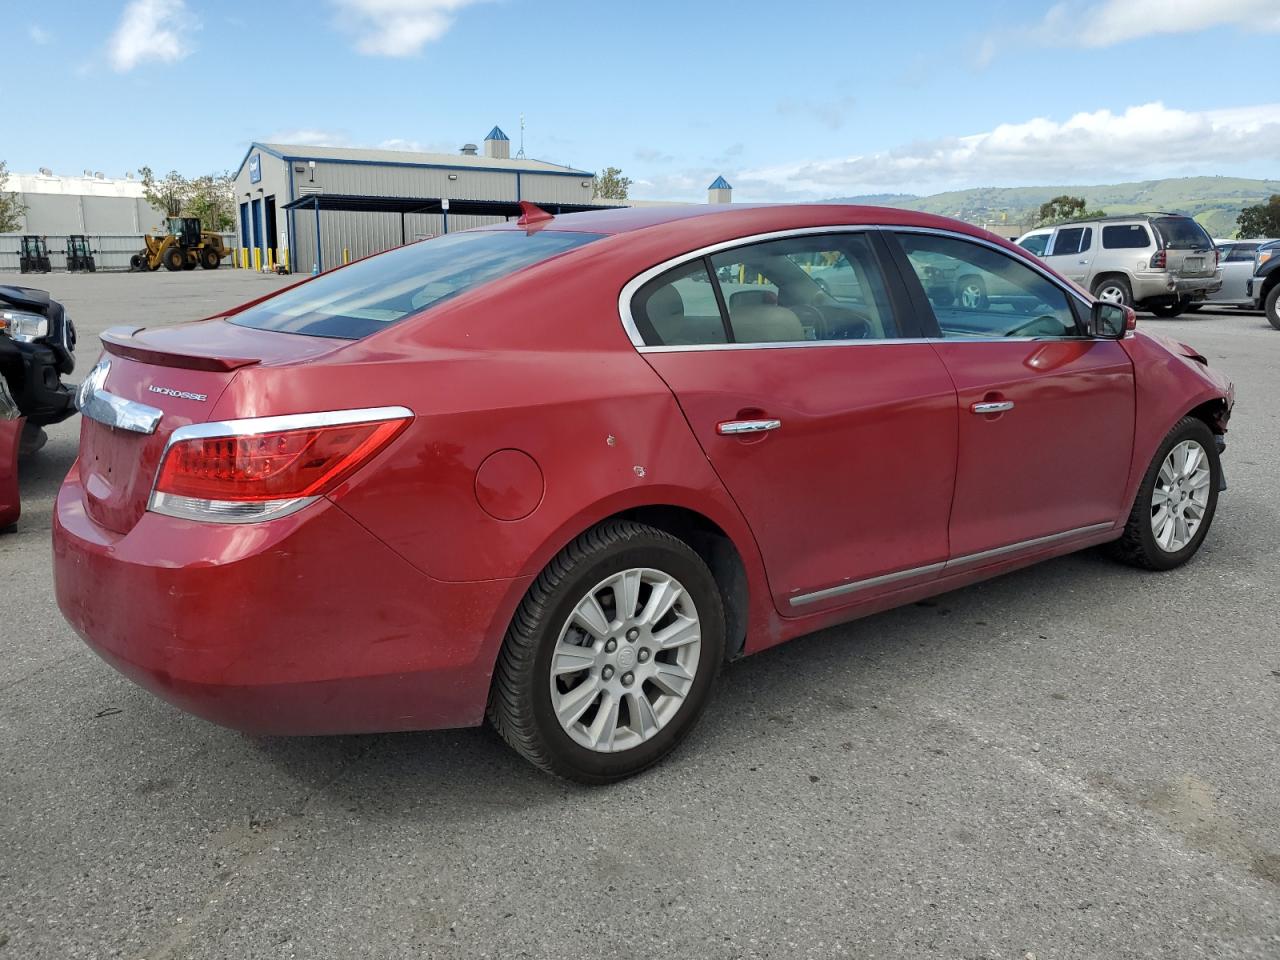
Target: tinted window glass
1128 236
1242 251
979 292
679 308
1182 233
821 287
1072 240
1037 243
372 294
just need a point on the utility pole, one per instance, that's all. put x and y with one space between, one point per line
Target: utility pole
520 152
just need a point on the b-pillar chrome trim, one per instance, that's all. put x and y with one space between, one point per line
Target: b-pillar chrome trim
857 586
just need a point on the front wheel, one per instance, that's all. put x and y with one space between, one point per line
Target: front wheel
1176 502
971 293
610 657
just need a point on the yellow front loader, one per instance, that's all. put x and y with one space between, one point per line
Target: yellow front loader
184 247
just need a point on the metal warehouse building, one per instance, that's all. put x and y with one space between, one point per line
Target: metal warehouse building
358 202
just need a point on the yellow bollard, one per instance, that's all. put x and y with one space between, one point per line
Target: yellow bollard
346 255
284 259
271 260
257 259
244 258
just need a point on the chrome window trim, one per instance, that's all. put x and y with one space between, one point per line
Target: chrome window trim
858 585
633 286
178 506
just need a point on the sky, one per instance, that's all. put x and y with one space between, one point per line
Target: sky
789 101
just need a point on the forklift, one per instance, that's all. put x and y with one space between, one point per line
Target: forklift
185 247
33 255
79 256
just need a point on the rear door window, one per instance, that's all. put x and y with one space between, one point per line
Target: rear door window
1125 236
372 294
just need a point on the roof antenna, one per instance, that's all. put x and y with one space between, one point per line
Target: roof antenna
520 152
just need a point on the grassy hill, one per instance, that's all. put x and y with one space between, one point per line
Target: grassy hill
1214 201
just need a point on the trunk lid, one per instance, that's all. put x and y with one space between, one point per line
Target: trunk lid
1189 251
181 372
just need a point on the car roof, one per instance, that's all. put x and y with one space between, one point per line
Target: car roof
742 220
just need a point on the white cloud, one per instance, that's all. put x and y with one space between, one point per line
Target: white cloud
39 34
1143 141
150 30
308 137
398 28
1109 22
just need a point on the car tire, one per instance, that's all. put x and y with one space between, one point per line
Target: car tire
971 293
538 674
1272 306
1140 546
1114 289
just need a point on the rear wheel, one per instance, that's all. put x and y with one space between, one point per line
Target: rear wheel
610 657
1272 306
175 259
1114 290
137 262
209 259
1176 502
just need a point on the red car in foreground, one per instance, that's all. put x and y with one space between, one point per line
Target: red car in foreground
555 472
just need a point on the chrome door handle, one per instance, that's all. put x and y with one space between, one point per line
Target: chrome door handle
731 427
995 406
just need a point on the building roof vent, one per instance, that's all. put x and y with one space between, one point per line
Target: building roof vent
46 172
469 150
497 144
720 191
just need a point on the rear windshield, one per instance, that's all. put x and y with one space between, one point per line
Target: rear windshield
1182 233
373 294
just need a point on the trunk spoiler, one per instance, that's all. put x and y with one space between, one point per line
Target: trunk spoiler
124 342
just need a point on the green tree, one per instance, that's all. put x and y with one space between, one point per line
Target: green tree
168 194
11 208
1260 220
212 199
1064 208
611 185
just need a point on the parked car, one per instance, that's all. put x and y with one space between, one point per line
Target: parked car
1237 260
535 472
1263 288
1161 262
37 343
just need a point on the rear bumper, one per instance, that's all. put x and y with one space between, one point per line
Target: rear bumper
305 625
1168 289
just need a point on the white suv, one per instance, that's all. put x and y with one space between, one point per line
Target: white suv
1162 262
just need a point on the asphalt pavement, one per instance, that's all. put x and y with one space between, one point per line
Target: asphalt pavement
1076 760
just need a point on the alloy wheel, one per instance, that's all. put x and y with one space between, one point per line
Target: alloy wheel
1111 293
1180 496
625 660
971 296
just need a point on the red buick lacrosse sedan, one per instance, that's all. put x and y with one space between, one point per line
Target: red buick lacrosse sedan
555 472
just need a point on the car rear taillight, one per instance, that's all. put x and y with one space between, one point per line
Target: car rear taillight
1159 260
242 471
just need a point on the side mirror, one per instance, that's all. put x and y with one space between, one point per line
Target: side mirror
1111 321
